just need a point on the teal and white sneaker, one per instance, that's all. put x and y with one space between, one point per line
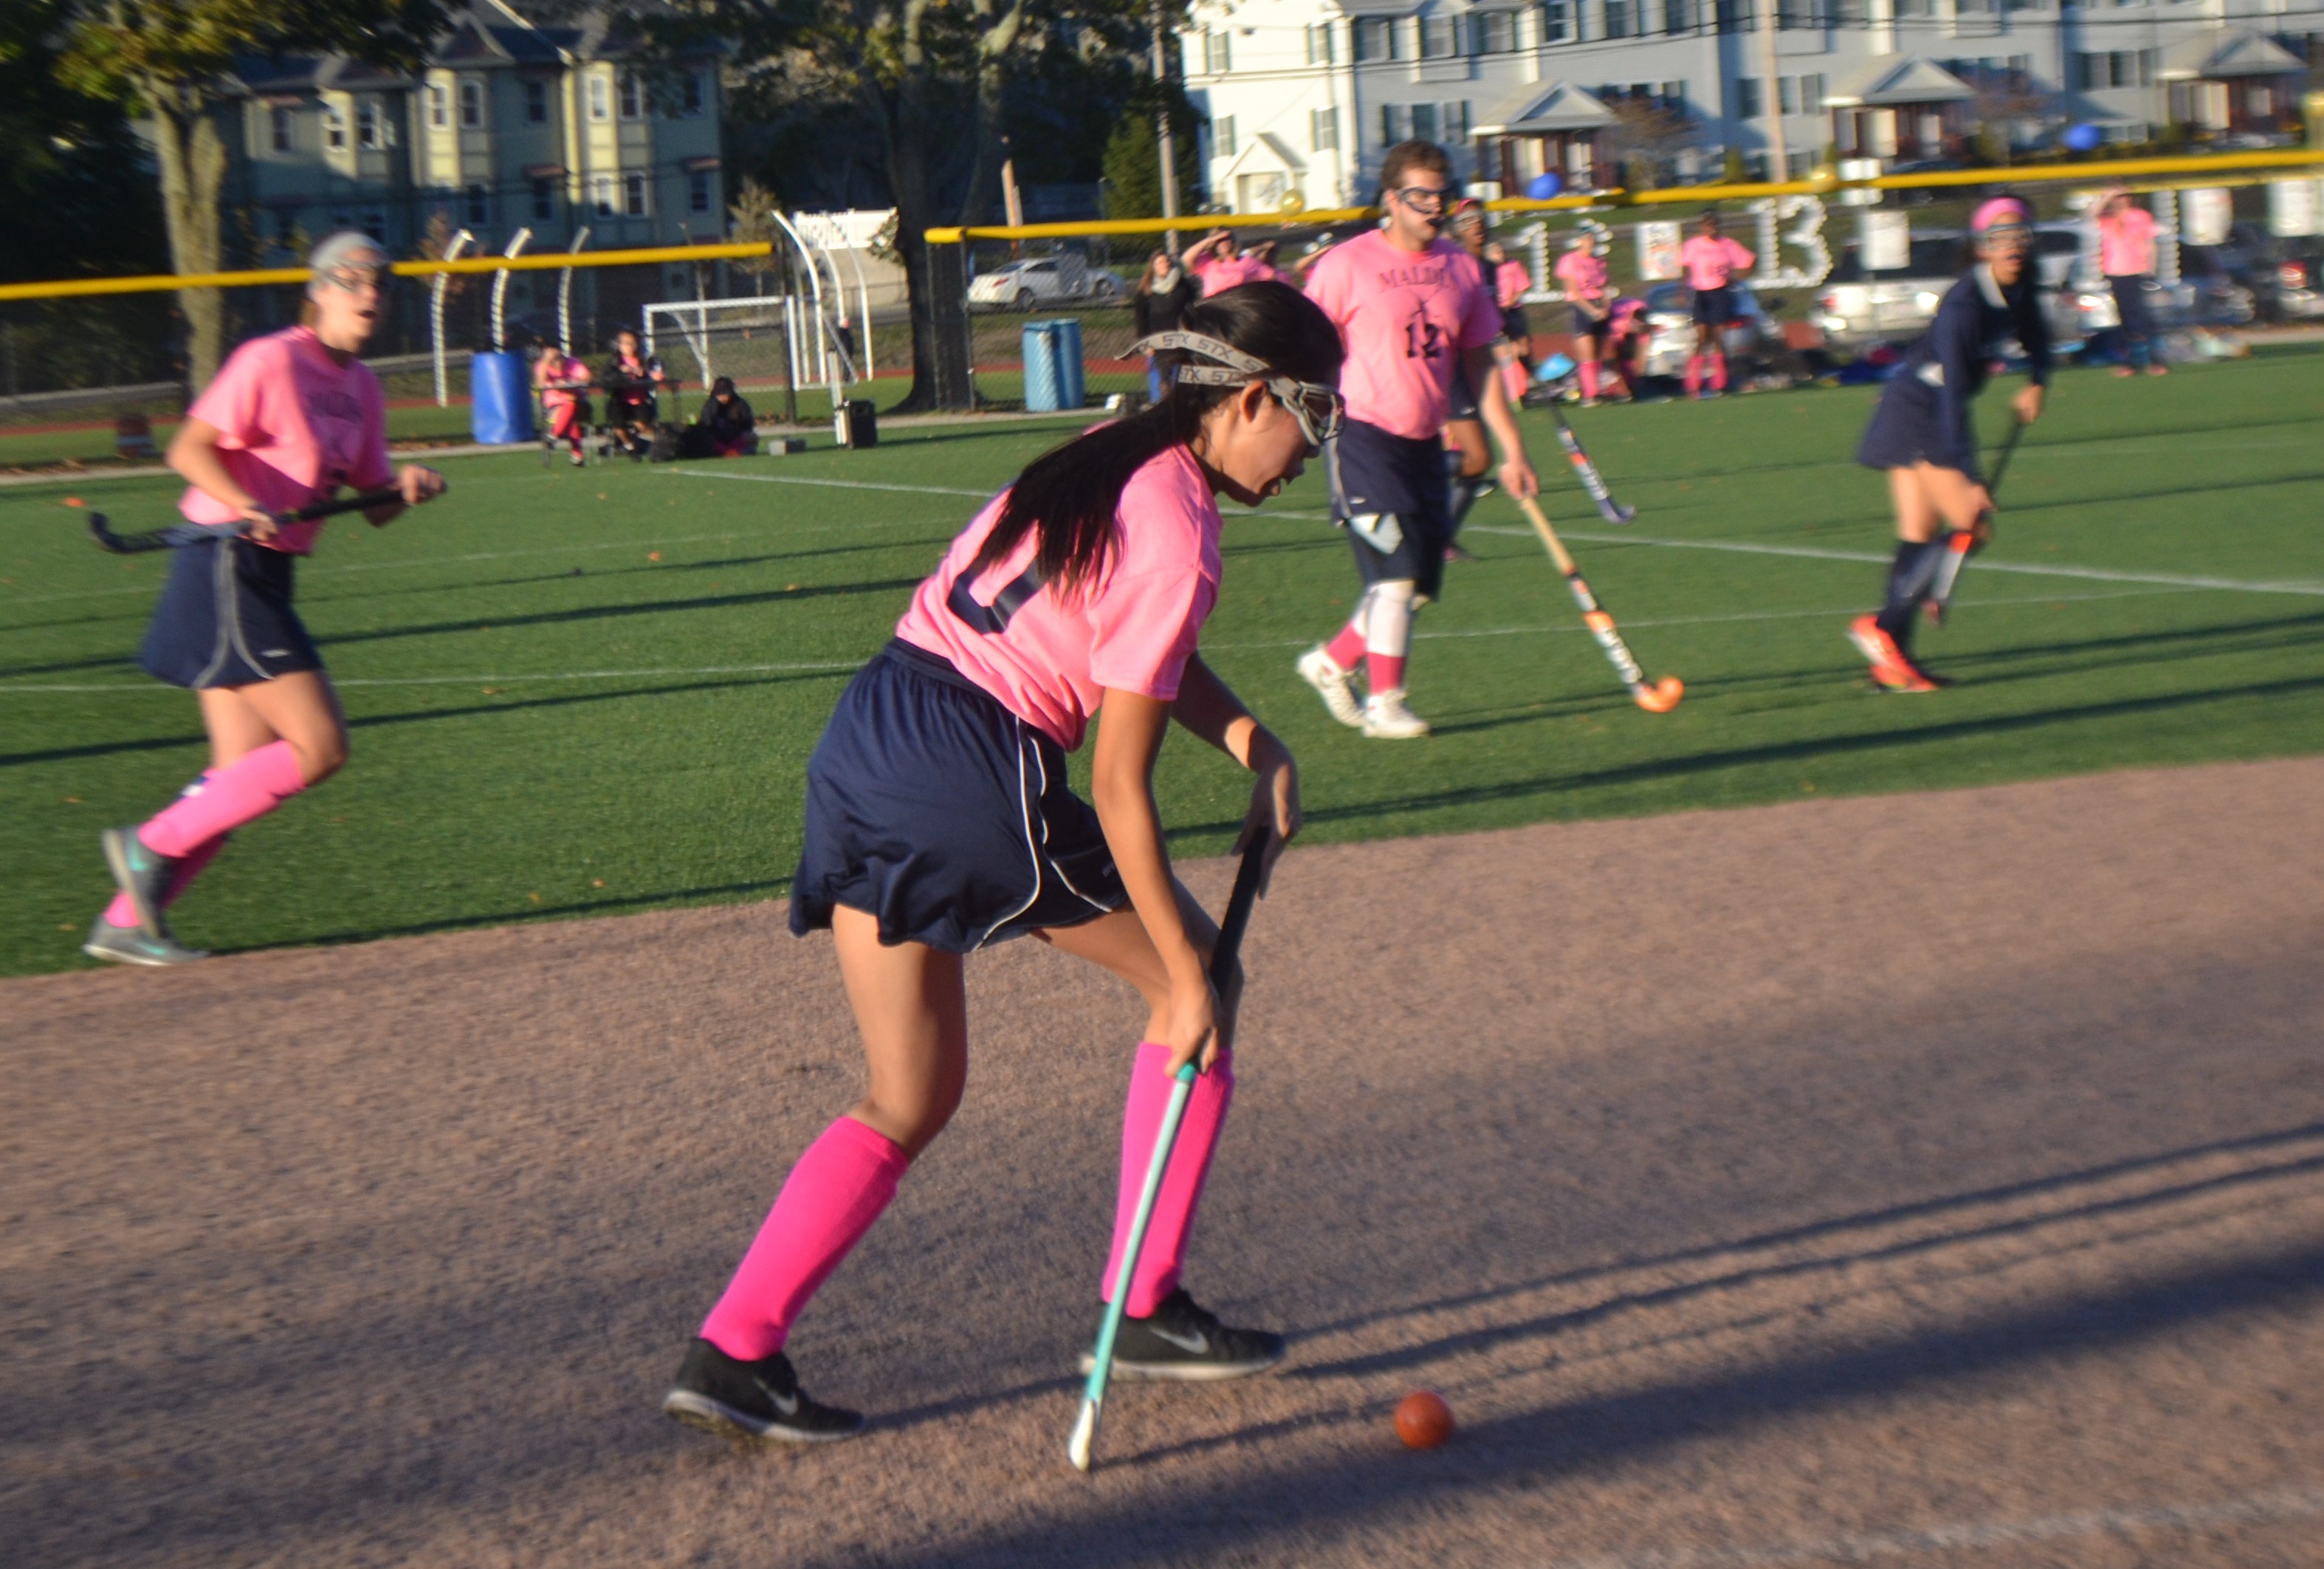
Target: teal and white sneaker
129 944
142 874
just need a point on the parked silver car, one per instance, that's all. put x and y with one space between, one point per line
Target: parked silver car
1670 328
1066 276
1855 308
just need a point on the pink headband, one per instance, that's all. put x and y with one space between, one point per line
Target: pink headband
1999 210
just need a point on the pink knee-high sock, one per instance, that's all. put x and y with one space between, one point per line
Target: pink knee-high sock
1347 650
838 1189
1589 378
230 797
1719 373
1164 1251
1694 372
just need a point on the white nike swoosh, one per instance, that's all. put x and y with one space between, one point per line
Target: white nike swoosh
787 1404
1197 1342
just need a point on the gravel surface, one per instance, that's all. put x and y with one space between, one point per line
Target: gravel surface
1918 1179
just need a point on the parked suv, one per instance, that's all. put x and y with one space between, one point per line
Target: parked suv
1021 285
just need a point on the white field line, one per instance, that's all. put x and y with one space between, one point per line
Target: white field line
827 667
2025 568
1559 629
1980 1536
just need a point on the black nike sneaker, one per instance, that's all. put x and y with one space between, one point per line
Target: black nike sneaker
760 1399
1183 1342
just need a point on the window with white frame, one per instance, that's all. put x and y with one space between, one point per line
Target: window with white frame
1557 22
369 129
601 100
634 98
1915 9
278 128
1323 129
1395 125
1811 92
479 203
536 102
602 194
1787 94
1620 20
1679 16
1424 121
439 107
1453 120
1217 54
472 105
633 196
1376 38
334 127
544 200
1320 50
1223 137
1440 37
1747 104
1493 33
698 191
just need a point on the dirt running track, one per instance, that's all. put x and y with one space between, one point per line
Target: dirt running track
1926 1180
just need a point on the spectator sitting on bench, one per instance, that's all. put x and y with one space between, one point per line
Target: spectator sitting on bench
564 385
725 429
632 378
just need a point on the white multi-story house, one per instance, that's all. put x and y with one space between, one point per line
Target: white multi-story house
516 121
1304 96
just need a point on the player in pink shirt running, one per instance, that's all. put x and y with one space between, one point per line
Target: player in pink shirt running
939 820
1710 262
2126 233
290 418
1583 272
1412 307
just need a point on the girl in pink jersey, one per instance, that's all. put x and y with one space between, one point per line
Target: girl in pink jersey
939 820
1512 282
563 383
1710 262
2126 233
1583 274
292 418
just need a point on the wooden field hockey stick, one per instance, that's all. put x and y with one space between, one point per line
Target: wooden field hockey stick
1079 1447
1967 542
1655 696
101 530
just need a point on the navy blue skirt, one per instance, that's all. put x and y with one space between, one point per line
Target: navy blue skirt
225 618
933 809
1907 428
1393 494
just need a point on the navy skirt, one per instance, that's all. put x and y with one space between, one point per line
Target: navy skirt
225 618
1393 494
1907 428
934 809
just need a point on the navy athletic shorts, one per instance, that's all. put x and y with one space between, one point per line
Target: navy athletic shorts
933 809
1714 306
225 618
1587 326
1463 402
1393 494
1516 328
1907 428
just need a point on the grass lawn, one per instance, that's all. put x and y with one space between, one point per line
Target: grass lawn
581 692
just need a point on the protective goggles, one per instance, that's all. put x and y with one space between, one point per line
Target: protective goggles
1318 408
2008 234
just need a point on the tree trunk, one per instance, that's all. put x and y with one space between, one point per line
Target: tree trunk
192 158
939 303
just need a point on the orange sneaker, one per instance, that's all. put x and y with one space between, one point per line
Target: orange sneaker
1891 670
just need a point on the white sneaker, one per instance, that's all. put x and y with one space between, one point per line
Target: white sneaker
1335 685
1386 718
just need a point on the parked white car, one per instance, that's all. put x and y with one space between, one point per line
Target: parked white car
1022 285
1670 324
1855 308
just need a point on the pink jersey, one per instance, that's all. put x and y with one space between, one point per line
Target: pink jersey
294 426
1512 281
1584 277
1133 630
1712 263
560 368
1408 320
1218 273
2126 243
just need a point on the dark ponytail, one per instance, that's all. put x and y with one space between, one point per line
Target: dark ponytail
1071 495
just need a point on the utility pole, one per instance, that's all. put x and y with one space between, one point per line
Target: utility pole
1772 99
1169 154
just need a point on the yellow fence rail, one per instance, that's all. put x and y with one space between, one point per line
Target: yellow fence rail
1823 183
544 261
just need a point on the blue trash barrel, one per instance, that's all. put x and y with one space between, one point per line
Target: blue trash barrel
1041 389
1072 386
502 395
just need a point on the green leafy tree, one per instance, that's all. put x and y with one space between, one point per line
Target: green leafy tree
1133 161
927 82
168 60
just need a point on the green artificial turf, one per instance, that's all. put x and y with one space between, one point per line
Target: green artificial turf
585 692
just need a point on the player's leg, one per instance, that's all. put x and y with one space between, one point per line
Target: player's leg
1694 361
1164 1334
1588 344
1467 461
1886 638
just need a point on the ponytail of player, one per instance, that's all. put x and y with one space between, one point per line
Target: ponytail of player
1069 498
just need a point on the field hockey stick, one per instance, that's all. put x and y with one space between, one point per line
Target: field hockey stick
1079 1447
1966 542
1655 696
100 529
1612 511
